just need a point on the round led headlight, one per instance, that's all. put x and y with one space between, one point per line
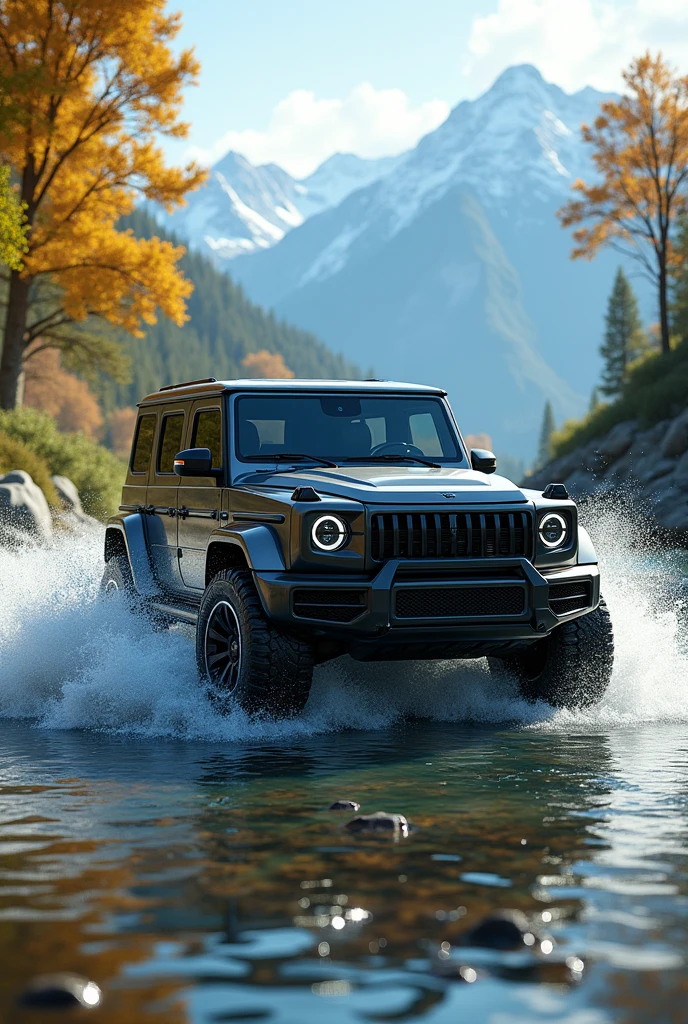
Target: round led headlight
553 530
329 533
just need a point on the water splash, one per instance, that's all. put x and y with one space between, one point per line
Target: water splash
69 660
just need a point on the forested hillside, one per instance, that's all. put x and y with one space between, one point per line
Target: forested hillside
224 327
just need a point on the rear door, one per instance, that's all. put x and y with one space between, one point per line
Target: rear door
199 499
162 493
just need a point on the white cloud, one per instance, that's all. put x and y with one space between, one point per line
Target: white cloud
575 42
304 130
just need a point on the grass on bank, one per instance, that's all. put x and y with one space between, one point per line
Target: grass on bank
96 472
657 388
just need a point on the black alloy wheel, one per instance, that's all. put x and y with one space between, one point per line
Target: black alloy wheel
222 647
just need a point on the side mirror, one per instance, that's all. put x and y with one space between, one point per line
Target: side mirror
483 461
194 462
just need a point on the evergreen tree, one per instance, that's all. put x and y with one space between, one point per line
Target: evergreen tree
624 338
546 430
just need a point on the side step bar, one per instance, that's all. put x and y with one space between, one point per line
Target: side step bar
188 614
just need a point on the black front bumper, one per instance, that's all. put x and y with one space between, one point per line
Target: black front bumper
506 601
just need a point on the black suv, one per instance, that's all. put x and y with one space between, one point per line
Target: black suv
295 521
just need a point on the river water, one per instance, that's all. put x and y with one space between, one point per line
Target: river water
188 863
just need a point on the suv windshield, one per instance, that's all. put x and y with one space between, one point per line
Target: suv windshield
344 427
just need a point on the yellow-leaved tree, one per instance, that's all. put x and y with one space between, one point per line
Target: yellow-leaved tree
640 150
86 88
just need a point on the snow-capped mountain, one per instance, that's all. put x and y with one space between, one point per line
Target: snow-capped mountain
243 208
453 269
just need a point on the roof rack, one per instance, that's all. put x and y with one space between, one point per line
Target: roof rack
188 383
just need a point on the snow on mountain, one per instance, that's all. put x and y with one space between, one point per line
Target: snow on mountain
243 208
453 269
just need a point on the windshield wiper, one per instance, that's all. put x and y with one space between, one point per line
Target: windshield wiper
394 458
290 457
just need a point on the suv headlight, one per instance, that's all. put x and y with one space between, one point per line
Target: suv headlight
553 530
329 533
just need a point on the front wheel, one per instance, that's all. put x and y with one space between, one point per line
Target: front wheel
247 661
571 668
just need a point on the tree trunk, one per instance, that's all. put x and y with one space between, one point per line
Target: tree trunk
13 342
664 309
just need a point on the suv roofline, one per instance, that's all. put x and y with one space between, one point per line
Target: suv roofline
173 392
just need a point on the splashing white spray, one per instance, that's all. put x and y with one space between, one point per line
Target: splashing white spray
69 660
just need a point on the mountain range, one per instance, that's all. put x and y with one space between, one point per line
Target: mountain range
443 265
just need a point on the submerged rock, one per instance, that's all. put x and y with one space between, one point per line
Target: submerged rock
344 805
61 991
506 930
379 823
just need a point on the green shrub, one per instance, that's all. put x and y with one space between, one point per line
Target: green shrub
657 388
15 454
96 472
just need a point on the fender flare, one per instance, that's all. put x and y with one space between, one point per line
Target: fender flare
258 542
132 530
586 549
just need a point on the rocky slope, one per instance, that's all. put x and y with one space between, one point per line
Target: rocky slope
651 463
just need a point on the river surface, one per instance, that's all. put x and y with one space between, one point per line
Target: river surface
188 864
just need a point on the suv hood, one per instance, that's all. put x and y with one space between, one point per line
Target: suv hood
395 485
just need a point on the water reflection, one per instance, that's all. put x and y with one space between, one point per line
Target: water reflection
204 883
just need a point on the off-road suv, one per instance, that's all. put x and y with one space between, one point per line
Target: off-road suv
295 521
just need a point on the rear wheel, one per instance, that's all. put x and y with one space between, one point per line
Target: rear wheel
247 661
571 668
117 579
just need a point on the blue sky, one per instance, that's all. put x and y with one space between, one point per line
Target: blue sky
296 80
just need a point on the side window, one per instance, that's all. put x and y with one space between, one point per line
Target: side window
207 433
170 441
143 444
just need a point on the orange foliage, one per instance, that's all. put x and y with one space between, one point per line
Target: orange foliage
88 89
63 396
641 154
120 425
266 365
478 441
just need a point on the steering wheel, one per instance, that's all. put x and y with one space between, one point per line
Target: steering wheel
397 448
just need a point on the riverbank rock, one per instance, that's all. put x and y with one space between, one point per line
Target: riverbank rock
73 514
652 464
379 823
344 805
23 509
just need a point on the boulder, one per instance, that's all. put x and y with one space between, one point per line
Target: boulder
651 467
618 440
67 493
379 823
344 805
675 441
681 470
23 508
505 929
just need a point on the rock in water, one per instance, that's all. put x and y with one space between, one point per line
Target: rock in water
379 823
23 508
67 493
61 992
344 805
505 929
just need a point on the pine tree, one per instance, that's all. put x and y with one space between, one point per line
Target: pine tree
623 338
546 430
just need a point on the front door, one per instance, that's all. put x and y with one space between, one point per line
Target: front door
163 488
199 499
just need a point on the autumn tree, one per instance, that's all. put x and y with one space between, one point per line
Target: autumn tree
266 365
640 150
120 430
12 222
546 431
63 395
624 338
88 87
679 310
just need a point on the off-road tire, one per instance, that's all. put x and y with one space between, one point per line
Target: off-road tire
275 669
117 578
571 668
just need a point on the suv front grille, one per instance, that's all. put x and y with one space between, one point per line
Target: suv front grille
450 534
459 602
329 605
565 598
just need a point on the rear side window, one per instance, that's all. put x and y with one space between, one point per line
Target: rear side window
207 433
143 445
170 441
